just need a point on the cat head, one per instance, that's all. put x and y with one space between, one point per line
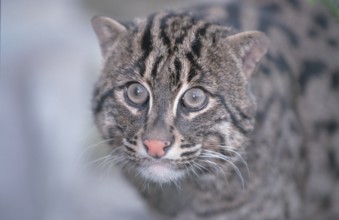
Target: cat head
173 97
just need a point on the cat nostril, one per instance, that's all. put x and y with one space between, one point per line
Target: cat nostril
156 148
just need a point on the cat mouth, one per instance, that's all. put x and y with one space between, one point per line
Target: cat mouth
160 172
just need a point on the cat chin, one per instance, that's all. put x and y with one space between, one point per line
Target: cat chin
160 173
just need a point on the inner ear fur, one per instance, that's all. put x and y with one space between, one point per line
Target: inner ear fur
250 47
108 31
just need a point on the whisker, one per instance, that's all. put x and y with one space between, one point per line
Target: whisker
212 154
199 166
91 147
215 165
236 169
104 162
238 156
97 160
109 169
102 158
196 166
177 184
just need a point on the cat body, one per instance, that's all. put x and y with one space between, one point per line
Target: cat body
211 119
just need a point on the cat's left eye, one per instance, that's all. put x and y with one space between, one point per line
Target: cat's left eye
136 94
194 99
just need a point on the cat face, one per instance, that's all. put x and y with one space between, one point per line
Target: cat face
173 96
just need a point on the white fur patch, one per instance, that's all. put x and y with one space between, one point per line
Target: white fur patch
177 99
160 172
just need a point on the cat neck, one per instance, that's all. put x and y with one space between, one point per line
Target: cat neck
202 194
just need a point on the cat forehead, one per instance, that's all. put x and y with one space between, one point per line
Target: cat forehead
165 72
167 50
175 31
172 47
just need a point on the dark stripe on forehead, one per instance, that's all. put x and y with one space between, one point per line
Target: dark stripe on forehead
163 27
196 44
185 29
156 65
99 104
190 57
146 44
178 66
191 74
175 77
194 66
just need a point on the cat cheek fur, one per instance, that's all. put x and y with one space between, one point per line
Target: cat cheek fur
290 151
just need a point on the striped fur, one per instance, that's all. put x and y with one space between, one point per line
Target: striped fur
212 148
171 53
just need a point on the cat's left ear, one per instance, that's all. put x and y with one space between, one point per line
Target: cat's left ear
108 31
250 46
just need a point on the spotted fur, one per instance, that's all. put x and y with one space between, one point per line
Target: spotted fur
265 146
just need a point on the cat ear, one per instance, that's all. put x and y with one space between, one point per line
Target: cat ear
107 31
250 46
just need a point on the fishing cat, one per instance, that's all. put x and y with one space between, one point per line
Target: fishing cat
225 111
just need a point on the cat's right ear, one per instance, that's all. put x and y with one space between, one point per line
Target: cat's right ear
108 32
250 46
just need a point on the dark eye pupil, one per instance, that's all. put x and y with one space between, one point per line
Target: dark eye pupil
137 91
196 96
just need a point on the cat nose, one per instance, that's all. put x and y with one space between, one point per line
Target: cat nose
156 148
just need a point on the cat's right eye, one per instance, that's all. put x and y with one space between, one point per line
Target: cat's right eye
136 94
194 99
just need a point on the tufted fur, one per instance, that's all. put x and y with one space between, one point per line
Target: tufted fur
257 149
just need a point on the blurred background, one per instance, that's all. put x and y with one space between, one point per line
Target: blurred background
50 60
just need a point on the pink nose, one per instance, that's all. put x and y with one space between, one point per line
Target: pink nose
156 148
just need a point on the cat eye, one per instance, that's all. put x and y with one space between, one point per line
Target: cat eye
136 94
194 99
